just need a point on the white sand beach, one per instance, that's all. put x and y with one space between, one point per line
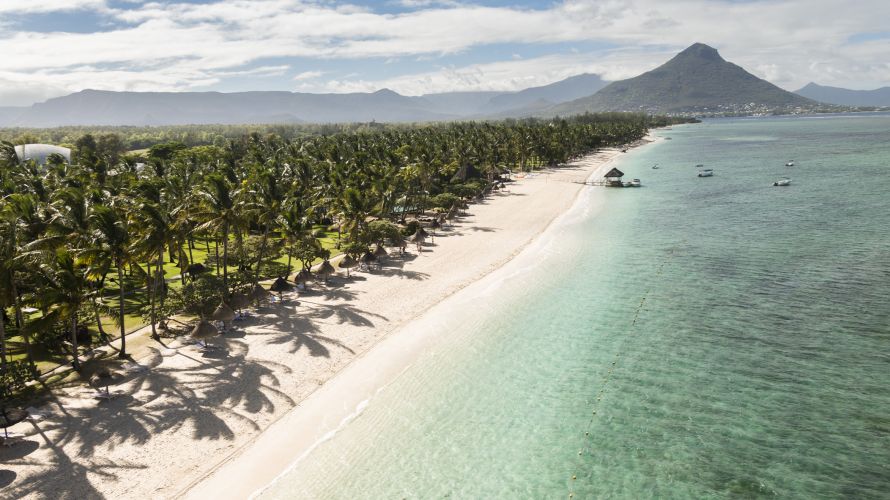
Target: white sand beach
224 425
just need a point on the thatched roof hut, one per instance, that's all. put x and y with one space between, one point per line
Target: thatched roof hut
204 330
223 313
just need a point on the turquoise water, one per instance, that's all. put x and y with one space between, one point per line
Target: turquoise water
697 338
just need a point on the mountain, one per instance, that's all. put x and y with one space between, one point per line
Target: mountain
846 97
456 103
562 91
696 80
8 114
95 107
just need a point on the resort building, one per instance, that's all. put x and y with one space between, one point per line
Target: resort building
40 152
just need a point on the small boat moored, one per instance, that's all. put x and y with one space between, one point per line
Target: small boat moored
782 182
789 163
706 173
635 183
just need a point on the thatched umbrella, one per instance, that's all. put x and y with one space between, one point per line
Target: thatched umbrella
195 269
367 259
433 226
202 331
380 252
418 237
346 262
259 294
223 313
238 302
10 417
280 286
399 242
452 214
302 277
326 270
106 378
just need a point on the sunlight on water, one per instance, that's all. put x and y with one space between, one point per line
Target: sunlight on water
700 338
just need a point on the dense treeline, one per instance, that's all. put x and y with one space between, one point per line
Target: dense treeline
136 138
86 240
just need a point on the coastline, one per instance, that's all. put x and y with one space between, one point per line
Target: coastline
285 444
188 424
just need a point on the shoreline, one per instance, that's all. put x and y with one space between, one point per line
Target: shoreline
185 421
247 473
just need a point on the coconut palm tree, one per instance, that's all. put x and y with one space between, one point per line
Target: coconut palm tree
219 213
64 288
111 249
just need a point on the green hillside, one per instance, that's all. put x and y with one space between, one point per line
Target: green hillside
696 80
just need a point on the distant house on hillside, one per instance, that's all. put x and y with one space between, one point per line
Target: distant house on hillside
40 152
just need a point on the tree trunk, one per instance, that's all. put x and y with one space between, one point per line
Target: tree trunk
162 281
120 310
225 261
2 339
289 255
191 245
99 325
20 320
153 292
76 362
259 263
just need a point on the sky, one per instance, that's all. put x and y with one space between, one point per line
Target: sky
55 47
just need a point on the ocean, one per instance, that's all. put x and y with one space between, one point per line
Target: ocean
709 337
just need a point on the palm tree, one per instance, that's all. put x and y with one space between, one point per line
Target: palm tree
154 232
219 213
64 289
111 249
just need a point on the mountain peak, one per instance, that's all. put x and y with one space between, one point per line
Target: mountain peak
701 51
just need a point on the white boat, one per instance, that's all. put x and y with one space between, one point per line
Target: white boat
635 183
705 173
626 184
790 163
782 182
655 167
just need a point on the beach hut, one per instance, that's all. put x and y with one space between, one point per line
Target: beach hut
280 286
224 314
326 270
203 331
367 259
302 277
259 294
380 252
105 378
613 178
8 418
418 237
346 262
238 302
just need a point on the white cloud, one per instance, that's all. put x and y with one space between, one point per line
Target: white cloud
308 75
35 6
178 46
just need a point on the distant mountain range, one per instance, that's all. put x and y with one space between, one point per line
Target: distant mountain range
696 81
846 97
96 107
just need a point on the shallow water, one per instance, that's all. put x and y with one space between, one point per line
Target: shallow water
698 338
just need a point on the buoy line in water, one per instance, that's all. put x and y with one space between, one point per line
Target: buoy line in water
587 445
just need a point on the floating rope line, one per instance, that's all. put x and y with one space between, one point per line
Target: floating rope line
587 444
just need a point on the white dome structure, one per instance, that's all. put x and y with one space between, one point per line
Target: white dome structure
40 152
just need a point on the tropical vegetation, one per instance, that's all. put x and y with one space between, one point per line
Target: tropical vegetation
117 238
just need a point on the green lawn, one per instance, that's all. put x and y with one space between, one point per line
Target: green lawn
136 299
